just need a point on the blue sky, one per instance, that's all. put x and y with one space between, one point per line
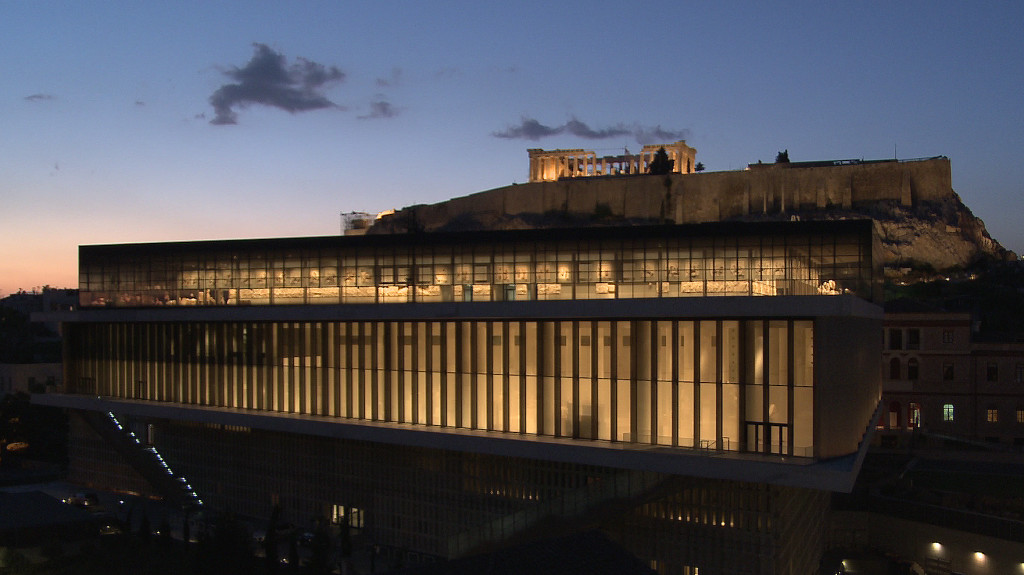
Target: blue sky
116 115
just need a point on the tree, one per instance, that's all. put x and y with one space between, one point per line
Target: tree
699 167
270 540
782 157
320 549
660 165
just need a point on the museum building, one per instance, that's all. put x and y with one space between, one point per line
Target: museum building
695 390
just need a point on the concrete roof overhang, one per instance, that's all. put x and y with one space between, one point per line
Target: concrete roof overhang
738 307
837 474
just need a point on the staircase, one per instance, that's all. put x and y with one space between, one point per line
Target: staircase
145 459
592 501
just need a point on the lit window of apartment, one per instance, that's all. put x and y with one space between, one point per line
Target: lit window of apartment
914 415
947 371
913 338
895 338
1020 415
913 370
992 415
947 412
992 372
947 336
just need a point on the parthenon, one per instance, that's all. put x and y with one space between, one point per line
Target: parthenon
551 165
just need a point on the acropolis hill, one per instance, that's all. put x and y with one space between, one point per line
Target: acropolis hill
919 217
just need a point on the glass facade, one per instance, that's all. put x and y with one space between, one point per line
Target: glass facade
779 258
713 384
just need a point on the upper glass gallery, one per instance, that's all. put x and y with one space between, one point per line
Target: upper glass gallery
671 261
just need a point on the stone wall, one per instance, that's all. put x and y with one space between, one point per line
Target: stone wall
774 189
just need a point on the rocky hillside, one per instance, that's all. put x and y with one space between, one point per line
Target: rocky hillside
934 235
942 234
922 230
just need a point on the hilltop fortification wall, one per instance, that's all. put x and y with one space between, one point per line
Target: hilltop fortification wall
701 197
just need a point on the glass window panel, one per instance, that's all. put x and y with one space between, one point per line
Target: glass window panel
664 411
708 416
531 404
708 351
604 349
803 353
730 416
550 408
643 410
803 421
778 404
624 351
778 345
604 409
686 412
584 349
685 351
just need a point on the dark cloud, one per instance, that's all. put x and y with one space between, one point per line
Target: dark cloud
39 97
269 81
656 135
393 80
578 128
446 73
531 129
380 108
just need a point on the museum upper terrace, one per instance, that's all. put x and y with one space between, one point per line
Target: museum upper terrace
715 259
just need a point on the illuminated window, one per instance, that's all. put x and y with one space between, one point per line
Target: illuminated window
914 415
352 515
947 412
992 415
1020 415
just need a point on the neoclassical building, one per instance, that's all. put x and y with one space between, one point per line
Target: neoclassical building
696 390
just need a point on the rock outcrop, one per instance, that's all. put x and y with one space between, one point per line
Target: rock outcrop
922 222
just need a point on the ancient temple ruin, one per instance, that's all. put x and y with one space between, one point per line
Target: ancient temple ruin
552 165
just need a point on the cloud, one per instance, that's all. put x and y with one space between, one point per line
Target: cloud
39 97
578 128
393 80
380 108
657 135
268 80
531 129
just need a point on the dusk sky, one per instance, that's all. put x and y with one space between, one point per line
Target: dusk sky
151 121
